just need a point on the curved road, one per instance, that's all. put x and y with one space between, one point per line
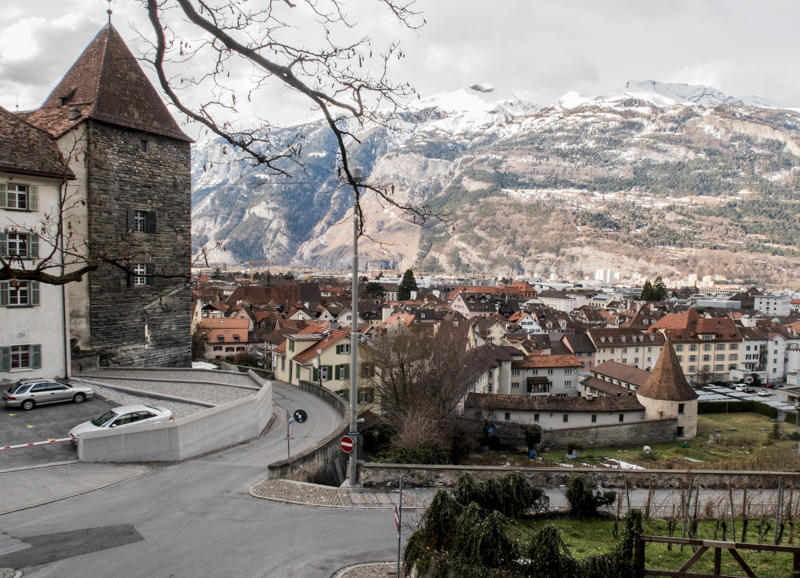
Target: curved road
196 519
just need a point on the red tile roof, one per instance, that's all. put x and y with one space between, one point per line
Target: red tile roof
107 84
622 372
538 361
667 381
27 150
551 403
328 341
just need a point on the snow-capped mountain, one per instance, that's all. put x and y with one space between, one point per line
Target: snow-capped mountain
620 180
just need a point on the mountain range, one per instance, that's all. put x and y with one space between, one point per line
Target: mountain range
655 178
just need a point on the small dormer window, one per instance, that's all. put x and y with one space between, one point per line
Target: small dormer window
67 97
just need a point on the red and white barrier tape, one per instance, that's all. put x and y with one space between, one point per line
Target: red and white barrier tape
32 444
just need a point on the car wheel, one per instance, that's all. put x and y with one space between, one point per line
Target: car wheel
79 398
28 404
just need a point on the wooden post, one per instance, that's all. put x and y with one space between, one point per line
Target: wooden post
733 514
717 561
778 510
638 556
795 565
744 516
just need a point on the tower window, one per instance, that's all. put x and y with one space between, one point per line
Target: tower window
144 145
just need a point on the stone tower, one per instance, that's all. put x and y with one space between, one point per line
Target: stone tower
133 193
667 394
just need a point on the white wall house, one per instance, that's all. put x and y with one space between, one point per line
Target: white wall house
773 305
34 341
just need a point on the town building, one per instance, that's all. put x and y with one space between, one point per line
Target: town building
35 337
130 206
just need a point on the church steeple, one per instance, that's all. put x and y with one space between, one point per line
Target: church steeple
107 84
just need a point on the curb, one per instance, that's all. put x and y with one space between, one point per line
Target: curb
365 506
154 395
390 571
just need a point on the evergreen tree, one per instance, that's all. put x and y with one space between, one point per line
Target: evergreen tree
374 288
407 285
659 290
647 291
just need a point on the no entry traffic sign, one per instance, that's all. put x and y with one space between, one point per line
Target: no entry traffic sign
346 444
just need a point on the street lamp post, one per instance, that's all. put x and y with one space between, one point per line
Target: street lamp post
353 464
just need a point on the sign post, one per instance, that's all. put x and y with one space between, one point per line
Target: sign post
398 524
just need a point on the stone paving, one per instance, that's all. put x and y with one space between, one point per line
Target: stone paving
332 497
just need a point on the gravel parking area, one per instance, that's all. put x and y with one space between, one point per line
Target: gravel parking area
178 409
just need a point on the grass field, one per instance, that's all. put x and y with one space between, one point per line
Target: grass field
589 537
742 441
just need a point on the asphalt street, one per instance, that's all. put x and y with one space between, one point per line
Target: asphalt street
196 519
18 426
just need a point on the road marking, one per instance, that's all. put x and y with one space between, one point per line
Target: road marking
29 426
12 414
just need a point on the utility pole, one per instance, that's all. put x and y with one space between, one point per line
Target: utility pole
353 465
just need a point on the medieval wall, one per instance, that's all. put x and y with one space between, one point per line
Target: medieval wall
148 323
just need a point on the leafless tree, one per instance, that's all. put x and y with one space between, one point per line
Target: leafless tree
421 379
341 74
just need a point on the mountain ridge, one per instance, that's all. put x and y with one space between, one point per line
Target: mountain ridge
626 173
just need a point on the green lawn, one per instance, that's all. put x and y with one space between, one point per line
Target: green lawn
589 537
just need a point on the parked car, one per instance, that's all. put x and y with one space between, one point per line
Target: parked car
769 385
743 388
28 393
122 416
764 393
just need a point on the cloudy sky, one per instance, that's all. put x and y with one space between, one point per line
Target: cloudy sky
534 50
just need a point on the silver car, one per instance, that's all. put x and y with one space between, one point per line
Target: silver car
28 393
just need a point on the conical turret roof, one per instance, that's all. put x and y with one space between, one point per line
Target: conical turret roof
667 381
107 84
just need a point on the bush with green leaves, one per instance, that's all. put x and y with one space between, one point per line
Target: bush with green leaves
425 453
583 500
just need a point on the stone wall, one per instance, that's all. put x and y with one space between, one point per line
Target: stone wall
376 475
144 324
623 434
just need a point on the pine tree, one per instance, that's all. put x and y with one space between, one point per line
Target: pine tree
647 291
407 285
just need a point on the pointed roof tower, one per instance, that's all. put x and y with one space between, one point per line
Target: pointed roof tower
667 381
107 84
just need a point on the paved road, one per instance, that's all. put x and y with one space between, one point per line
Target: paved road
196 519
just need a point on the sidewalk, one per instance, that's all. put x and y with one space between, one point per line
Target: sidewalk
33 486
331 497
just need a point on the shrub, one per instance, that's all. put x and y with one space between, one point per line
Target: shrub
533 436
583 500
425 453
439 520
548 555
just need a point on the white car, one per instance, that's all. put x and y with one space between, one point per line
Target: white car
121 417
764 393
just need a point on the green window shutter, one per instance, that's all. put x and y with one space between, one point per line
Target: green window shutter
33 246
36 356
346 372
338 349
336 372
34 292
3 244
327 373
5 287
33 198
297 370
5 359
151 270
3 196
315 375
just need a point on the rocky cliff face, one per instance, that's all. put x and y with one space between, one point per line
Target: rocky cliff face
659 179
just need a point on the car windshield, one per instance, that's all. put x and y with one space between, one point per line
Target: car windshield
103 419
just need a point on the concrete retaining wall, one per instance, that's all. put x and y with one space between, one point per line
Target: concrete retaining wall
386 476
205 431
325 462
